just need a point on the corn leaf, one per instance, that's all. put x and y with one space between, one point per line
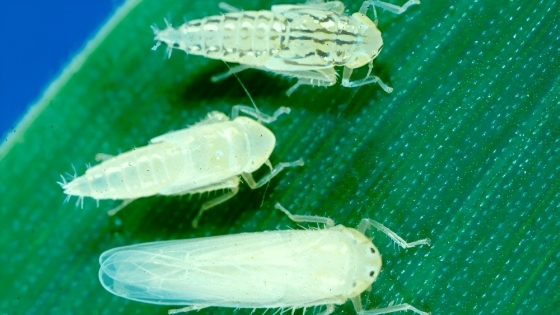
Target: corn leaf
465 151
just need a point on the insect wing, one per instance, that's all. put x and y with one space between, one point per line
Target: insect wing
198 271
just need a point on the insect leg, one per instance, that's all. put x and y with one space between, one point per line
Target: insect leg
329 310
231 183
214 202
248 177
328 222
318 77
357 301
228 7
366 224
125 203
186 309
252 112
387 6
368 80
230 72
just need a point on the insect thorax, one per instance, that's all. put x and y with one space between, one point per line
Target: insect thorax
260 143
320 38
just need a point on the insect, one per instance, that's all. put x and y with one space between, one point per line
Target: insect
274 269
305 41
210 155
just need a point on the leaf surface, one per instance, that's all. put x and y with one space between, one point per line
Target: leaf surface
465 151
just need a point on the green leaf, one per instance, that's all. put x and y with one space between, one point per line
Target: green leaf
465 151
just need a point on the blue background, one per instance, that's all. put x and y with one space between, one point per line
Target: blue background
37 39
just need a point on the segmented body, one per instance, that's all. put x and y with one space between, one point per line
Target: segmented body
245 37
210 155
185 160
305 41
289 37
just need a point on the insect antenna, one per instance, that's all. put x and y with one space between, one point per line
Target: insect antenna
268 183
259 120
248 94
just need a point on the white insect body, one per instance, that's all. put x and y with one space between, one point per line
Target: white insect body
305 41
275 269
208 156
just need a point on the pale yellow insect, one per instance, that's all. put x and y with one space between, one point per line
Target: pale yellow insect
305 41
285 269
208 156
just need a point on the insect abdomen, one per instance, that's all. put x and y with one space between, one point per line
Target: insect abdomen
138 173
249 37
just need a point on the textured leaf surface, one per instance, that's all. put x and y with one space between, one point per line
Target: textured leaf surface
465 151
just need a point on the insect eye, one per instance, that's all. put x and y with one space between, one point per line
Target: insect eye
372 273
372 250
